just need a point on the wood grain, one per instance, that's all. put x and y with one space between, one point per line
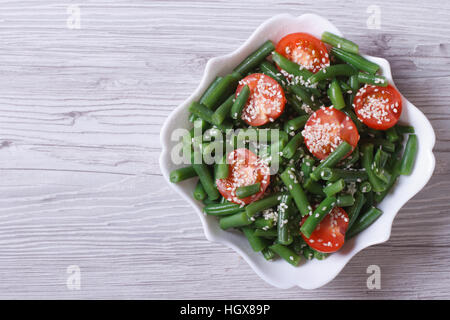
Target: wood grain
80 115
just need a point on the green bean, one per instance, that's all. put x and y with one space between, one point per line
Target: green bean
181 174
221 90
263 223
268 254
199 193
247 191
380 159
296 103
404 129
373 79
289 240
263 204
335 95
304 95
340 42
262 135
239 103
256 243
351 159
299 153
201 111
363 222
188 141
355 209
379 196
286 253
255 58
345 87
268 234
345 200
295 123
209 149
409 155
314 187
221 169
270 70
283 136
356 60
208 201
290 180
283 216
326 174
377 134
292 146
381 174
349 112
202 125
333 188
223 111
308 253
370 201
392 135
307 166
233 221
206 95
333 72
206 114
207 180
354 83
222 209
270 154
367 161
323 84
313 220
227 124
320 255
347 175
291 67
192 117
365 187
340 152
298 244
385 144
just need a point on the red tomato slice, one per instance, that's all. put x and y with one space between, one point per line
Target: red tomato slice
245 168
305 50
266 101
329 235
326 129
378 107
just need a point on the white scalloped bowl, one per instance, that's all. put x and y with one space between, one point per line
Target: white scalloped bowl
315 273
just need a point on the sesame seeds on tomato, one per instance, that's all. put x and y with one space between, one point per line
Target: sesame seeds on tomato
322 136
373 106
266 101
378 107
245 169
326 129
308 58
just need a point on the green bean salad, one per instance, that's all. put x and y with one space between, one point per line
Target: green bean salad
297 146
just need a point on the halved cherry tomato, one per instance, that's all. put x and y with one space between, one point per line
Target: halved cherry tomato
305 50
326 129
329 235
378 107
245 168
266 101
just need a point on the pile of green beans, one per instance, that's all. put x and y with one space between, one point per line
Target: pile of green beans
354 178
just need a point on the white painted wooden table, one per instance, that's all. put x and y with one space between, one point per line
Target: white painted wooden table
80 115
